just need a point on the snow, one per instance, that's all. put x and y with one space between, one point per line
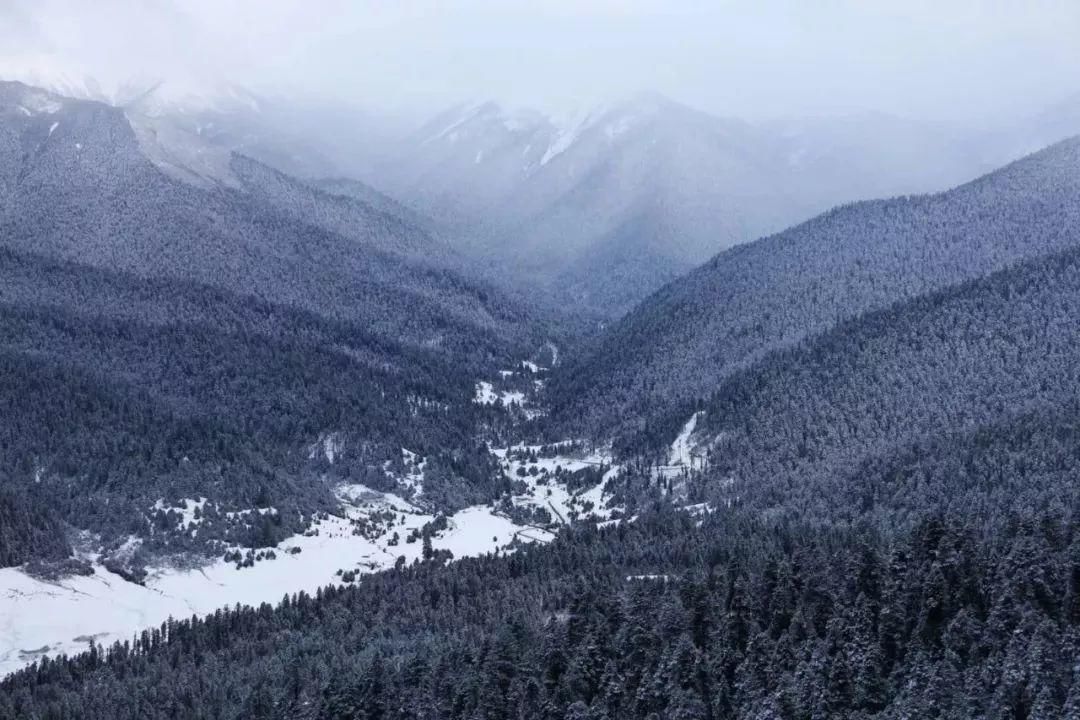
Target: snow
186 510
570 130
52 128
575 125
544 491
184 93
329 444
681 449
512 397
554 353
684 456
38 103
414 471
562 143
466 114
485 394
521 120
527 366
479 157
369 534
475 531
39 617
623 124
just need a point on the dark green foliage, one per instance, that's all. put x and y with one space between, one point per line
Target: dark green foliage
184 392
87 193
890 415
749 620
28 529
974 357
680 343
162 340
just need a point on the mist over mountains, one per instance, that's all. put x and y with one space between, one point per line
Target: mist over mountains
643 412
645 188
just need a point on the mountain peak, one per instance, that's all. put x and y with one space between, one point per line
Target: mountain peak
145 94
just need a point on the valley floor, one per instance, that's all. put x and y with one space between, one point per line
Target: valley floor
374 531
40 618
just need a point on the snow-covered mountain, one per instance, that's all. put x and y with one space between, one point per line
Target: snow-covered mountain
607 205
597 208
149 94
190 125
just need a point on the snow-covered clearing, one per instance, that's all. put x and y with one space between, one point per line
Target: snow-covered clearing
186 510
329 444
486 394
38 617
682 451
545 480
683 456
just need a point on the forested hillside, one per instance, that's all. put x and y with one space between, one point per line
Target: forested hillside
829 474
75 185
664 617
970 357
915 556
679 344
166 341
121 391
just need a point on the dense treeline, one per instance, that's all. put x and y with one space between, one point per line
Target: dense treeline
965 358
28 530
342 213
681 343
1027 463
119 392
659 618
975 356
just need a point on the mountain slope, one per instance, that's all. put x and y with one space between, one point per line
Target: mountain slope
684 340
253 344
122 391
76 185
975 356
553 197
650 178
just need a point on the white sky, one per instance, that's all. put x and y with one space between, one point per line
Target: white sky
956 60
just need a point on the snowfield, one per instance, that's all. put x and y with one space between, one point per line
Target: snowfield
39 618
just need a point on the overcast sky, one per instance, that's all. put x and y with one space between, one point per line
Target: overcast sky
956 60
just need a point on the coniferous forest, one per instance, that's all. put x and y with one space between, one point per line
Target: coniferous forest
308 413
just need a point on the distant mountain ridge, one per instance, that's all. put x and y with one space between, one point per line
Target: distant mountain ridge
648 188
595 209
